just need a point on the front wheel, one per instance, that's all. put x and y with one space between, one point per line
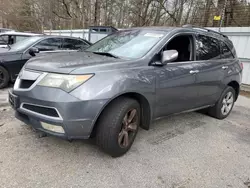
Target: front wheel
4 77
118 125
224 105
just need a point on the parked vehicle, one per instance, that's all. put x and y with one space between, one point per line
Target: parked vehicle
13 59
9 38
3 30
127 80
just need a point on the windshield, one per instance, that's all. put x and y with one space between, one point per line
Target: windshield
128 44
23 44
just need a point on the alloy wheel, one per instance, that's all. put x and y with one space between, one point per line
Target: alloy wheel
129 128
227 103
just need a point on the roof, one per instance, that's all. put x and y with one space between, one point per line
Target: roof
184 28
18 33
57 36
157 28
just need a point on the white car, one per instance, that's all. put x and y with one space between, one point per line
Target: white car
9 38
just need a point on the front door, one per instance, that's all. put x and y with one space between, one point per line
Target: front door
175 88
175 82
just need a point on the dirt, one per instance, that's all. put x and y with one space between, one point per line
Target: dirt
245 93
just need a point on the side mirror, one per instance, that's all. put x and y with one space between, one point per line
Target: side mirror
33 51
169 56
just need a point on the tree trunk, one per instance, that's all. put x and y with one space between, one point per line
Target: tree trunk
207 12
97 13
189 11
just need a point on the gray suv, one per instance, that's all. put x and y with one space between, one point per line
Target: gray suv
125 81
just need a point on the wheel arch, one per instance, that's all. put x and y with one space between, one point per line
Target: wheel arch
146 110
236 86
5 67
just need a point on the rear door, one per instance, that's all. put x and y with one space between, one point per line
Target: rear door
227 57
210 75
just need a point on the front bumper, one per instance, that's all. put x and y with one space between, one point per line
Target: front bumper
76 117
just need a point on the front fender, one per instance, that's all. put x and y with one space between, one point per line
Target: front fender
109 84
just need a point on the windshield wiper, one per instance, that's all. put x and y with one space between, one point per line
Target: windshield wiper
106 54
5 42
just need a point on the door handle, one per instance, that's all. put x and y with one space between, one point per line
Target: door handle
194 71
224 67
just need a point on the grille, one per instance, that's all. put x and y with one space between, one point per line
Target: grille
25 84
41 110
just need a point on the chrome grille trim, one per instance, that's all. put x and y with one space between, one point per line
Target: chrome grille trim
38 76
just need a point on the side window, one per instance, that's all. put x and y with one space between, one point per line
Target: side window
50 44
225 51
20 38
183 44
4 39
74 44
207 48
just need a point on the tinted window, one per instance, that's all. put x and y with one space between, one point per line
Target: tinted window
49 44
207 48
225 51
73 44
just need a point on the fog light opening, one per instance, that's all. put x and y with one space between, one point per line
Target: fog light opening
53 128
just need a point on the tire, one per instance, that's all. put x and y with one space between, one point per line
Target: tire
217 111
4 77
111 126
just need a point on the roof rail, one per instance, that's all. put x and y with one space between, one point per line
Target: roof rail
203 28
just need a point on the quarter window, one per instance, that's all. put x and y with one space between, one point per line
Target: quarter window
207 48
225 51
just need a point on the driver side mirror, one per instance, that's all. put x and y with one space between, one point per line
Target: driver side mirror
33 51
169 56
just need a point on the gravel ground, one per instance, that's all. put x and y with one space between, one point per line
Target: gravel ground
190 150
3 97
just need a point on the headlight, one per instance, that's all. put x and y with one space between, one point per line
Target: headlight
64 82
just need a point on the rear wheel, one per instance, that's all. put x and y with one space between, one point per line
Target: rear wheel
118 125
4 77
224 105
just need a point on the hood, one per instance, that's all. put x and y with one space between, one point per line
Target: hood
9 56
4 50
66 62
